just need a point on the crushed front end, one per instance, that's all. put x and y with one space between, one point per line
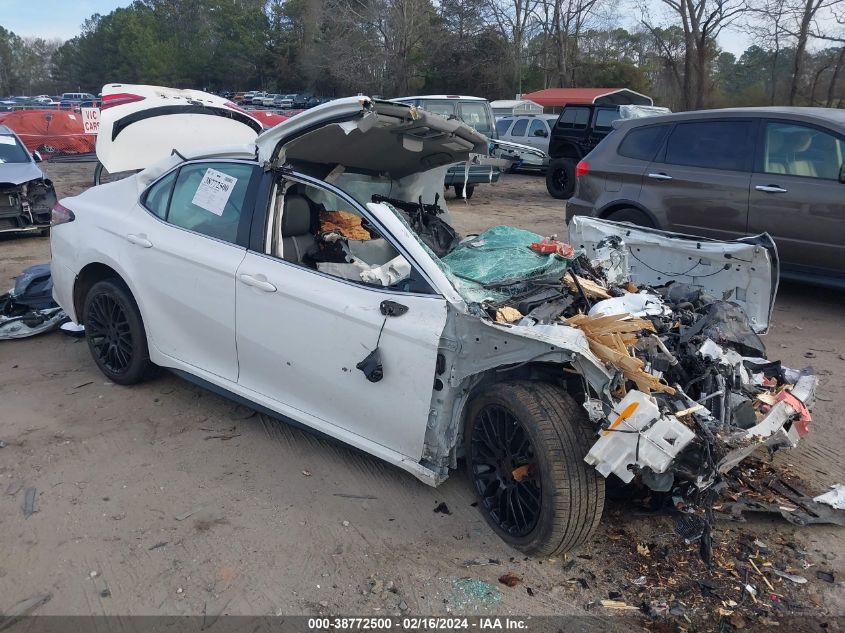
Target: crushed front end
688 392
26 206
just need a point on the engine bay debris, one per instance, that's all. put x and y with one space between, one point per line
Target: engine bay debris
692 392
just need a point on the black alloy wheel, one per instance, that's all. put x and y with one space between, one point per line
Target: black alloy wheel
505 471
107 327
115 333
525 443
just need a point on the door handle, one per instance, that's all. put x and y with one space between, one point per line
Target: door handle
660 176
770 189
261 284
140 240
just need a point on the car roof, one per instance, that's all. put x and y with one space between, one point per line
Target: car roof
530 115
448 97
830 115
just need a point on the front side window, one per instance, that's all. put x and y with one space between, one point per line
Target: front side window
798 150
443 108
519 127
314 228
711 144
478 115
643 143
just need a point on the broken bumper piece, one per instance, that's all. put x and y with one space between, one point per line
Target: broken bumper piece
784 425
639 437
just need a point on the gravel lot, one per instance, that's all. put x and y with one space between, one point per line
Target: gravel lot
167 499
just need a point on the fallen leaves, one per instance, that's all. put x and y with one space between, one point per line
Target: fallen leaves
510 579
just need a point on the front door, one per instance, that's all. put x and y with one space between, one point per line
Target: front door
185 240
797 198
699 182
307 319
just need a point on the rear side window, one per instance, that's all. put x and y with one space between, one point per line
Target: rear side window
574 119
503 125
519 127
642 143
207 198
711 144
477 114
159 195
605 118
537 126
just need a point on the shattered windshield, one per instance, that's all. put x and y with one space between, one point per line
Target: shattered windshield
11 151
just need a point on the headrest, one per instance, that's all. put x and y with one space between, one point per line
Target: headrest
296 218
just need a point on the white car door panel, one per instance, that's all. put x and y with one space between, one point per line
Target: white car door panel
300 335
192 315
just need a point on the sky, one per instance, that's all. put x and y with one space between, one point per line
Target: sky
63 19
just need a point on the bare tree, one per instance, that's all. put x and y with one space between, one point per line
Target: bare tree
702 21
563 23
515 19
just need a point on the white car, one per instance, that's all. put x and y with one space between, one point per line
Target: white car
267 100
310 271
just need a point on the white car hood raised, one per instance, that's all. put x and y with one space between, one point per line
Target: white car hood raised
149 123
363 134
744 271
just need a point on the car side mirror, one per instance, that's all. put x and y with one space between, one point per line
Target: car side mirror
36 156
842 173
542 133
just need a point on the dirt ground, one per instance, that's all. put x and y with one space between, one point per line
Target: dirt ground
167 499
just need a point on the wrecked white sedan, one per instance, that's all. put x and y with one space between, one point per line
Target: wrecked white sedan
313 273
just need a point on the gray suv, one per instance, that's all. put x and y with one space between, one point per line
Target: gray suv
727 174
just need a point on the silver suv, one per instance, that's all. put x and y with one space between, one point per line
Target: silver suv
727 174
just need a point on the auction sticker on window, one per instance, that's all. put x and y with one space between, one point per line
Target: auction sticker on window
214 191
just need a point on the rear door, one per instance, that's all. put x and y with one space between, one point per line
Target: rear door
624 168
699 182
796 195
538 134
603 119
184 242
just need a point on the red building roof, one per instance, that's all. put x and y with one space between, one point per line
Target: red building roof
559 97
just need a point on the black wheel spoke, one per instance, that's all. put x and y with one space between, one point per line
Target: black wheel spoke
500 451
110 333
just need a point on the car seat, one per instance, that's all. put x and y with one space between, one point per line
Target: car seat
297 223
798 159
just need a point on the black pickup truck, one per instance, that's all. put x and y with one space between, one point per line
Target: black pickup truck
578 129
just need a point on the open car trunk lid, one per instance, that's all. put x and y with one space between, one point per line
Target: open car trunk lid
744 271
142 125
366 135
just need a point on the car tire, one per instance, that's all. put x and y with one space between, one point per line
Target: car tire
554 435
459 191
560 178
115 333
632 216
